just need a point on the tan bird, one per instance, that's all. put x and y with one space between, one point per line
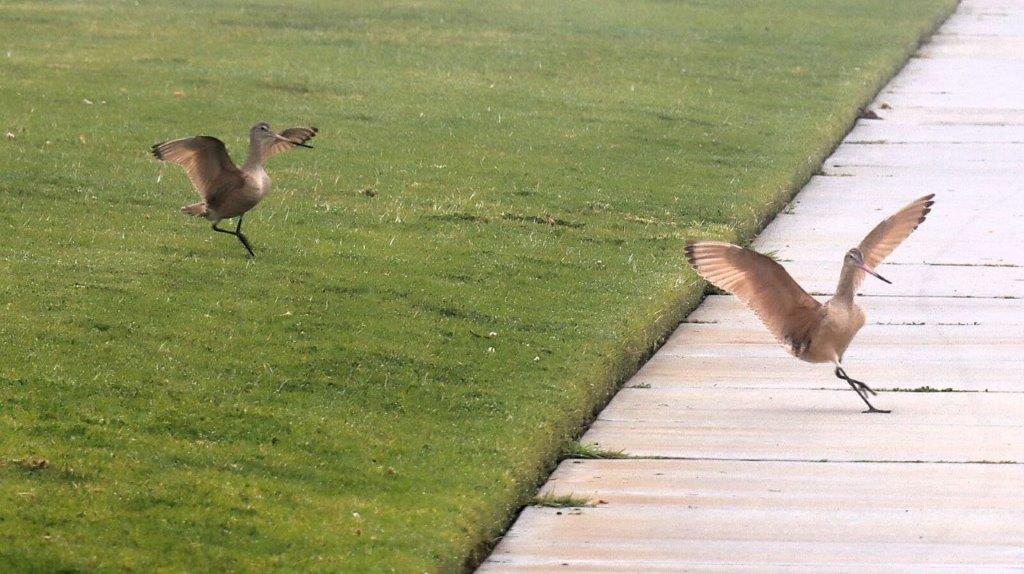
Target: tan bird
811 331
226 190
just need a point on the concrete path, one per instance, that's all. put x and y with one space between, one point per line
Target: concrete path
750 460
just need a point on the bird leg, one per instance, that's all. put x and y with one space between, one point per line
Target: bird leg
237 233
245 240
861 389
863 386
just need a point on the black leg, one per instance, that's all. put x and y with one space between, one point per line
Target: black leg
237 233
863 386
241 237
861 390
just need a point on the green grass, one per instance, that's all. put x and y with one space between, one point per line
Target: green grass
550 500
487 238
577 449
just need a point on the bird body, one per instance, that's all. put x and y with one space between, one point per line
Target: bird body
228 191
254 185
839 325
811 331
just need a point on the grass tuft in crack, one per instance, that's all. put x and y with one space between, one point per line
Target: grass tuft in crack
927 389
576 449
551 500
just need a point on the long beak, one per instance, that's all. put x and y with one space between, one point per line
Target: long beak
284 139
872 271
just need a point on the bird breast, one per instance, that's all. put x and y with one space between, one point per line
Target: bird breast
241 199
258 182
835 333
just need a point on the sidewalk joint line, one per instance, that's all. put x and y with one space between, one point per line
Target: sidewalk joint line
804 460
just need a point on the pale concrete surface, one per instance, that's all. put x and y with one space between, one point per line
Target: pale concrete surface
796 485
749 460
812 425
781 372
714 516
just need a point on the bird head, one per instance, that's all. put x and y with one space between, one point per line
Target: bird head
262 132
856 258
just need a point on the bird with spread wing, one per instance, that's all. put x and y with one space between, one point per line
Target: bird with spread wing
811 331
226 190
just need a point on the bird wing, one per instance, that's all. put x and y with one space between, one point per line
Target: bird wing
887 235
206 161
764 286
295 137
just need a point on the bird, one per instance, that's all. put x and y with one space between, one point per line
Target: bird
226 190
811 331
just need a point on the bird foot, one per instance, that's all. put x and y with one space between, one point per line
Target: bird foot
861 389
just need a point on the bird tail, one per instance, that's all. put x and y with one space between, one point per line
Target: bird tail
196 209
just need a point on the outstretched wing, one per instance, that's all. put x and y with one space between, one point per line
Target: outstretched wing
887 235
206 161
295 137
763 286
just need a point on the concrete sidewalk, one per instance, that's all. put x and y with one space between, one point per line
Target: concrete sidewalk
750 460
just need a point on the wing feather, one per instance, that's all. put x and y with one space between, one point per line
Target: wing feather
762 285
295 137
206 161
888 234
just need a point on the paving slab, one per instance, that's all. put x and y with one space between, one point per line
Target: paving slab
958 82
909 171
883 132
970 240
975 47
991 157
747 460
782 372
959 77
796 485
880 341
682 516
875 199
812 425
909 111
638 539
997 22
948 353
987 8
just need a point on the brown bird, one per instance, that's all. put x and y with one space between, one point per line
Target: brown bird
811 331
226 190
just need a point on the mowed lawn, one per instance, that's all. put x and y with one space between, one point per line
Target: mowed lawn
485 241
